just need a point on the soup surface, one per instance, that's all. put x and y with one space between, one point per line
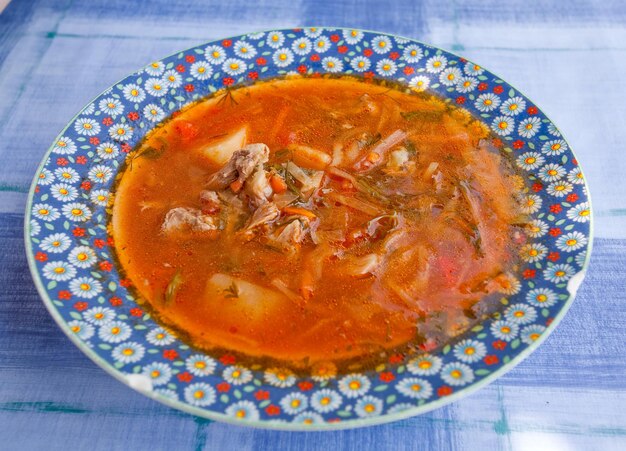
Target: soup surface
307 220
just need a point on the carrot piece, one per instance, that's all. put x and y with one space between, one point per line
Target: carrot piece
299 211
306 285
236 186
278 184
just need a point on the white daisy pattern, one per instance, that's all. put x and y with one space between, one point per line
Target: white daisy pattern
504 330
282 57
554 147
155 87
503 125
354 385
436 64
575 176
153 112
280 377
58 271
275 39
76 212
200 365
158 372
487 102
86 127
114 332
580 212
560 188
45 177
111 106
63 192
129 352
294 403
243 410
81 329
237 375
234 66
215 54
326 400
513 106
531 203
172 79
412 53
201 70
368 406
470 351
457 374
551 172
386 67
529 127
200 394
133 93
108 150
82 257
121 132
55 243
381 44
520 314
360 64
308 418
302 46
450 76
99 315
558 273
244 50
352 37
100 197
533 252
542 297
100 173
156 68
332 64
64 146
536 228
530 160
416 388
419 83
322 44
424 365
67 175
85 287
572 241
160 337
531 333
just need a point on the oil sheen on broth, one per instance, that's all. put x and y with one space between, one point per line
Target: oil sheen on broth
307 220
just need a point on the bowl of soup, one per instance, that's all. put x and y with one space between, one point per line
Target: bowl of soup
309 228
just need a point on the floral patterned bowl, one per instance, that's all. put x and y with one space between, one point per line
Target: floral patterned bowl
71 258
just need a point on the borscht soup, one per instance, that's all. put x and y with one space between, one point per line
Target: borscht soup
308 220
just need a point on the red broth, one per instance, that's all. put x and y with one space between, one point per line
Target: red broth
307 220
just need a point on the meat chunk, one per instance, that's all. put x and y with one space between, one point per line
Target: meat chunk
258 188
265 214
292 233
210 202
240 166
182 218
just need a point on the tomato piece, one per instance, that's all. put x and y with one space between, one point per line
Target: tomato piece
186 130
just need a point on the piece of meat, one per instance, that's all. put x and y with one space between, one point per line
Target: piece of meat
183 218
240 166
292 233
265 214
258 187
210 202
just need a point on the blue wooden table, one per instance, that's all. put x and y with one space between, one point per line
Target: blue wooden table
569 57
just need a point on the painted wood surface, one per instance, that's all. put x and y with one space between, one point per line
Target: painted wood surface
569 57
